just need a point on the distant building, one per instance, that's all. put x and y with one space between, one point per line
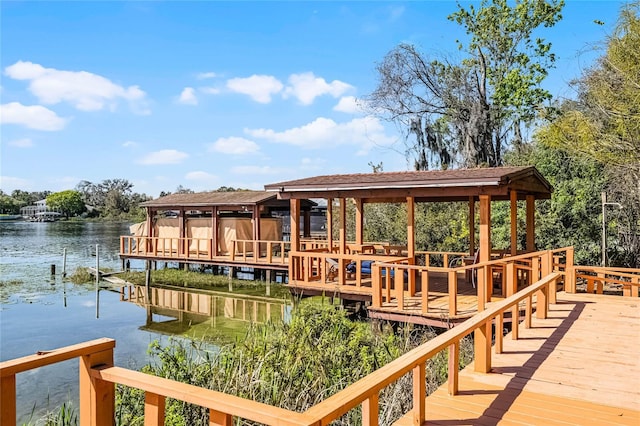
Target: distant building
39 210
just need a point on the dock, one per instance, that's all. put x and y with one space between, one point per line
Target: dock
580 366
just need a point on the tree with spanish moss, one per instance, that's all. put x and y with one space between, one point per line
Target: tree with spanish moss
466 112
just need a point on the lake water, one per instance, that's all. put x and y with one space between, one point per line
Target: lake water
40 312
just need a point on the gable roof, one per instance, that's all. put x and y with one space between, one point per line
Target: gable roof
209 199
437 184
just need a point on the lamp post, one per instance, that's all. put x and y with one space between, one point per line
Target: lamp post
604 226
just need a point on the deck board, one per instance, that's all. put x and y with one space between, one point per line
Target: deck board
579 367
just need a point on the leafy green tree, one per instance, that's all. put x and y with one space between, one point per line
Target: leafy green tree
68 202
467 112
8 204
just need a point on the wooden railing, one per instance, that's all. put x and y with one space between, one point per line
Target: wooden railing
260 251
331 268
597 278
98 376
250 251
388 279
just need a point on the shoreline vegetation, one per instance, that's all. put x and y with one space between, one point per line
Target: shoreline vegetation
292 365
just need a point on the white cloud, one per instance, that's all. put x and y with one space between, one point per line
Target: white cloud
165 156
130 144
201 176
206 75
84 90
209 90
34 117
349 104
188 96
259 87
312 163
396 12
21 143
234 145
256 170
306 87
362 133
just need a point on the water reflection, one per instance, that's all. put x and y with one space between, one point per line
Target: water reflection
204 315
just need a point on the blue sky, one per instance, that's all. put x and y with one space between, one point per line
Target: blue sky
204 94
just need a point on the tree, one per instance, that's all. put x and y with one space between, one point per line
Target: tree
603 125
67 202
467 112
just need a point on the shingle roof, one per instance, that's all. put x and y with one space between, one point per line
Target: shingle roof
202 199
479 177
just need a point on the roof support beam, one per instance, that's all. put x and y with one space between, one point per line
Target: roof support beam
330 224
359 221
295 225
472 226
485 228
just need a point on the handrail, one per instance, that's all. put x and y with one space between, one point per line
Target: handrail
219 402
98 376
353 395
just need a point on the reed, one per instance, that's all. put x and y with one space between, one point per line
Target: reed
293 365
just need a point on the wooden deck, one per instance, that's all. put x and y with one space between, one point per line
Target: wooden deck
581 366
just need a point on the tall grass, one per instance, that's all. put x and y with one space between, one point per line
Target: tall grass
293 366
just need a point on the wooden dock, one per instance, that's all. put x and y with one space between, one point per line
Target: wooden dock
581 366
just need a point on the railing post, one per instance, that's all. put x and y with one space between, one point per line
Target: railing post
453 293
154 405
482 348
376 297
499 326
97 397
542 302
425 291
454 361
528 312
8 400
399 287
419 393
480 287
370 411
512 288
547 268
217 418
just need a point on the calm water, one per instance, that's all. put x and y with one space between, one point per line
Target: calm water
40 312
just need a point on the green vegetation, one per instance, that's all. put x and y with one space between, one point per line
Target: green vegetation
68 202
292 366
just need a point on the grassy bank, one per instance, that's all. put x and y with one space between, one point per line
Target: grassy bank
293 366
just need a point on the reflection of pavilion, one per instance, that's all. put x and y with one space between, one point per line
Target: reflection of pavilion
188 308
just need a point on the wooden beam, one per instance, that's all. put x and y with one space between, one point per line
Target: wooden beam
307 223
359 221
514 222
343 225
295 225
531 223
330 223
411 234
472 226
214 230
485 228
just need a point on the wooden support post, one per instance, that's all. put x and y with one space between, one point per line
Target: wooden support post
8 400
214 230
425 291
499 337
547 268
359 221
307 224
255 215
472 226
542 303
453 293
343 225
513 196
97 397
399 287
570 273
295 225
512 288
531 223
218 418
485 229
411 243
528 312
482 348
454 361
419 394
330 224
376 287
370 410
153 409
182 243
